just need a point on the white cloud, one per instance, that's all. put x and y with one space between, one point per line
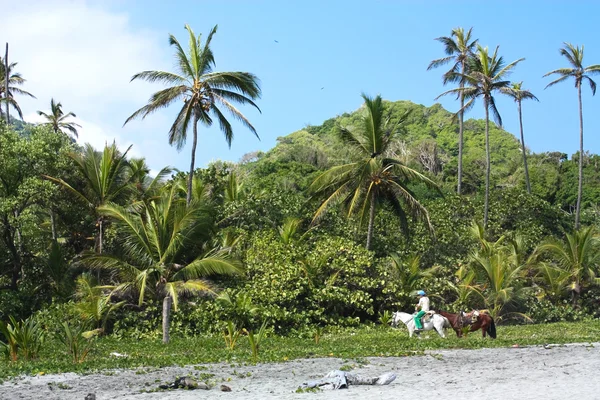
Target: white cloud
79 54
84 55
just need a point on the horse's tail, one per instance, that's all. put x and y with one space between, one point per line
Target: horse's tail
491 329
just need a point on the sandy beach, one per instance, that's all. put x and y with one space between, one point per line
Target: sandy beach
536 372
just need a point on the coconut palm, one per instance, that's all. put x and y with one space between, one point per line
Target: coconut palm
579 256
518 96
204 93
106 179
485 75
57 119
574 55
374 177
498 269
144 185
14 79
459 48
156 245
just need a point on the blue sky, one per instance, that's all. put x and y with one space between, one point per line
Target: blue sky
83 53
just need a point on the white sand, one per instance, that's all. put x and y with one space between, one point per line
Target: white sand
535 372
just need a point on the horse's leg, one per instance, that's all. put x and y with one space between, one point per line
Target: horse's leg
483 329
440 329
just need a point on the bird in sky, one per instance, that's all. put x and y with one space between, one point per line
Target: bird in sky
276 41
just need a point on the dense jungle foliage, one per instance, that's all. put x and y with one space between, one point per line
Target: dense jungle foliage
297 275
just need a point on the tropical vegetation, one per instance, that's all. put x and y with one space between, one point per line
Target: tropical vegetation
328 232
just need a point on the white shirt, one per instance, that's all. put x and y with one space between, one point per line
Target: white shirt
424 303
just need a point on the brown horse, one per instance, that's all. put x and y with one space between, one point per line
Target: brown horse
474 320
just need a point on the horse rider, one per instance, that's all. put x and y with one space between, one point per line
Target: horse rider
422 307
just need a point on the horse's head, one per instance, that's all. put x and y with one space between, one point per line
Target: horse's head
395 319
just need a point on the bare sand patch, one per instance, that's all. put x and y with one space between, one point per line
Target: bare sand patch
535 372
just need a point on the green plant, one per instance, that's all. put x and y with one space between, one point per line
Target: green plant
11 347
29 336
231 334
317 334
77 341
94 306
255 340
25 336
385 317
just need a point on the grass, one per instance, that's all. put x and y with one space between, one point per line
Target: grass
351 344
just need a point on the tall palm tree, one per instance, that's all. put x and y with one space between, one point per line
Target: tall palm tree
14 79
57 119
574 55
202 91
157 243
485 75
459 47
374 177
578 256
106 179
518 96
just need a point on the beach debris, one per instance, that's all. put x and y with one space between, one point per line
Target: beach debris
225 388
185 383
342 380
90 396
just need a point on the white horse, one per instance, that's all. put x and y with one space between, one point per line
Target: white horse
436 322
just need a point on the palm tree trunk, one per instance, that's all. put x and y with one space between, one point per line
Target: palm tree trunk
100 234
6 83
166 317
487 163
371 220
580 186
53 225
191 175
460 132
523 147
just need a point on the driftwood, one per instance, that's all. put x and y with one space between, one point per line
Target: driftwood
342 380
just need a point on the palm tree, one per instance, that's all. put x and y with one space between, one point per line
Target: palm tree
203 92
57 119
485 75
145 186
14 79
374 177
574 54
156 242
458 48
106 179
518 96
578 256
498 268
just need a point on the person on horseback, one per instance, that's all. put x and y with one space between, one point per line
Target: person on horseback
422 307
